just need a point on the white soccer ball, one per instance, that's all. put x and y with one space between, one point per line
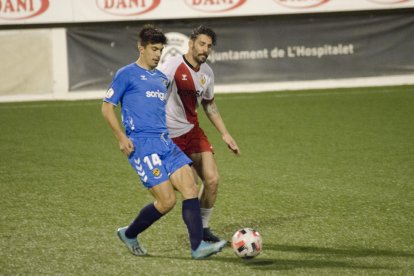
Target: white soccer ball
246 243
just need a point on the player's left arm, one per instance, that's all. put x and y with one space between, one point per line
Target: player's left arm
213 114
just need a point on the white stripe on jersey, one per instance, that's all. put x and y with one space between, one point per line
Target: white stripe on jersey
186 90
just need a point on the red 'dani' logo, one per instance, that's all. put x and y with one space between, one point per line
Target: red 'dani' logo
214 5
301 4
388 1
22 9
127 7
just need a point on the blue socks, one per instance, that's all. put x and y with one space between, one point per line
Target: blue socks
146 217
192 218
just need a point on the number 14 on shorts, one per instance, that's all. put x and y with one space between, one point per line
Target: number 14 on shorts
149 162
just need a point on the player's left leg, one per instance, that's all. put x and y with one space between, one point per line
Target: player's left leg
205 165
182 179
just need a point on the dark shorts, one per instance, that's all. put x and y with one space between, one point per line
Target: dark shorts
194 141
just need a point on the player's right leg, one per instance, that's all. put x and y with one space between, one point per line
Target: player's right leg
164 201
155 178
132 244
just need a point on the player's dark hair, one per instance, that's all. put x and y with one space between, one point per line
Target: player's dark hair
150 34
205 31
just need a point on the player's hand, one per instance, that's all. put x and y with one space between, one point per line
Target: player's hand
126 146
231 144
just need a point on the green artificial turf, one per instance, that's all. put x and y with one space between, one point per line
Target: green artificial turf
326 176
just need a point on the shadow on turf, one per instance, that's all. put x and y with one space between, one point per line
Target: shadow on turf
350 252
269 264
288 264
262 263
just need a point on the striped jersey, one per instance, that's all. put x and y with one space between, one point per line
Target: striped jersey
187 88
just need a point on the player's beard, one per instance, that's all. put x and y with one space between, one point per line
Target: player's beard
202 58
199 58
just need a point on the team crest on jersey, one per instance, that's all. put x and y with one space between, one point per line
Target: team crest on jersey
157 173
109 93
203 80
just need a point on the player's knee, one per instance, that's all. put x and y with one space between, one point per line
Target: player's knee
189 192
211 183
167 204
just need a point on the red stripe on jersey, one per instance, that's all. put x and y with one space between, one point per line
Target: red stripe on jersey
187 92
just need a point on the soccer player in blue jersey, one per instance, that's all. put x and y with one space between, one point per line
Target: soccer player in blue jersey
161 165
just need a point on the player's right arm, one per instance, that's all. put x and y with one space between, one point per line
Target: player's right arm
125 144
111 100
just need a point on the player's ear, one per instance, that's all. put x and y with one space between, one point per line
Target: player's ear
140 48
190 44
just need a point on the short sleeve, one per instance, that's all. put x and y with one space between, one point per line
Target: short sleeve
118 87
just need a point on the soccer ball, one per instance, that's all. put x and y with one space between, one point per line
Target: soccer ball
246 243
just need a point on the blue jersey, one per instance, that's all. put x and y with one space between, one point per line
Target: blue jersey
142 94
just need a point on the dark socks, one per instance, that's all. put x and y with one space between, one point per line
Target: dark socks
147 216
192 218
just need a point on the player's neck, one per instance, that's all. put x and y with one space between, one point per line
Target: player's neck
194 64
144 65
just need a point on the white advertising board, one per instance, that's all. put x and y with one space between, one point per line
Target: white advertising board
15 12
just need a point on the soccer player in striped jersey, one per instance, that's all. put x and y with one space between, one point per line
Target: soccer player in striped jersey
192 85
161 165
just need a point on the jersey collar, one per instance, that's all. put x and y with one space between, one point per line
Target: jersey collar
191 66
